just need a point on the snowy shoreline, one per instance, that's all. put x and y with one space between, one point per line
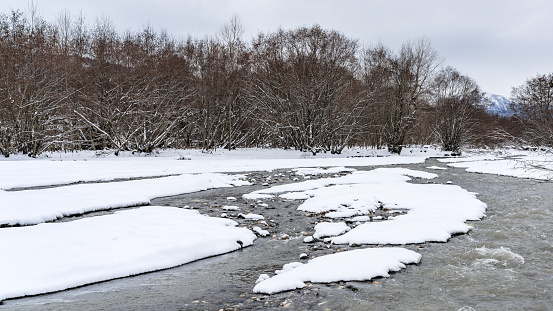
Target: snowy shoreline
343 195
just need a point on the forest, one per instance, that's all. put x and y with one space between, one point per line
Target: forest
68 86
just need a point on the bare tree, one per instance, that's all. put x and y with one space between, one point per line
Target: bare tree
533 104
302 84
399 85
455 97
230 36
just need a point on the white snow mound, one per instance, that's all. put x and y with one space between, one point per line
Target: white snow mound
356 265
434 212
56 256
30 207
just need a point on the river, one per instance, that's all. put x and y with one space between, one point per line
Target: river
504 263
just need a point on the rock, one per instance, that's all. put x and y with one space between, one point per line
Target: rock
284 237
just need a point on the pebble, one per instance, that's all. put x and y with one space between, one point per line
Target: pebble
231 199
284 237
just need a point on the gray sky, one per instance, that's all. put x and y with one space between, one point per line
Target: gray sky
499 43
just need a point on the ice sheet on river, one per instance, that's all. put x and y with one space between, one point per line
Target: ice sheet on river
36 206
435 211
56 256
356 265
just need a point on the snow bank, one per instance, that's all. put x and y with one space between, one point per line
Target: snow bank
45 172
482 157
524 167
35 206
293 190
357 265
56 256
435 212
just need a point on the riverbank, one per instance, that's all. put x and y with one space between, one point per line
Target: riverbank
490 254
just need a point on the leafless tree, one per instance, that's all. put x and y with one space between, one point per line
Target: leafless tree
302 85
533 104
454 98
398 85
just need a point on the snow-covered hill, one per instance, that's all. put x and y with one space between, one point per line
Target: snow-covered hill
497 104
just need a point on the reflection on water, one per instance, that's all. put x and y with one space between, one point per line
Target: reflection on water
504 263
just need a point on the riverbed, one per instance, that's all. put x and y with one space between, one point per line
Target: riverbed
504 263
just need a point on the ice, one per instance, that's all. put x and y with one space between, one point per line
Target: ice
56 256
356 265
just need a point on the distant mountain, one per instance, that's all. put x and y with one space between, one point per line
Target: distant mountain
497 104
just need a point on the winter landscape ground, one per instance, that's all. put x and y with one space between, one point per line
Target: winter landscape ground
56 240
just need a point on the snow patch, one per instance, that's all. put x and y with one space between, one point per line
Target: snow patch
30 207
56 256
328 229
356 265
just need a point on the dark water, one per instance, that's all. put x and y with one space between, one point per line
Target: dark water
504 263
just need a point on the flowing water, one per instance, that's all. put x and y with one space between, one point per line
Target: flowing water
504 263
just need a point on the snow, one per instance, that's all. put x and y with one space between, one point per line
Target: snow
29 207
18 172
252 216
483 157
328 229
56 256
361 218
435 167
319 171
356 265
260 231
435 212
524 167
293 190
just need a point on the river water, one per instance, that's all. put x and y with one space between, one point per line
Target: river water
504 263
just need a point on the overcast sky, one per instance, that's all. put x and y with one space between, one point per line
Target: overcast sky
499 43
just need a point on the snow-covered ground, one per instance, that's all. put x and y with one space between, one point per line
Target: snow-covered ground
48 257
356 265
435 212
29 207
56 256
60 169
514 163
